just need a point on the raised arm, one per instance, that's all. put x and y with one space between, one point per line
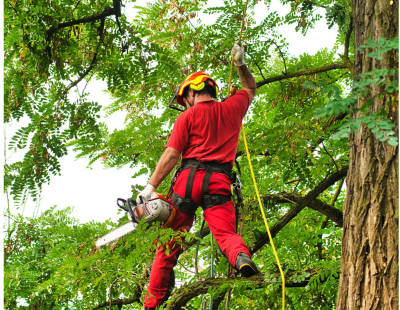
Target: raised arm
246 78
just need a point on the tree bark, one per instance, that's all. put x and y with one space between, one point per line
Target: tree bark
369 264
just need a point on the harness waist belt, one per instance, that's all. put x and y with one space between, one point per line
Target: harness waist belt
225 168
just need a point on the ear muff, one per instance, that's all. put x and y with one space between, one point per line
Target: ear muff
197 87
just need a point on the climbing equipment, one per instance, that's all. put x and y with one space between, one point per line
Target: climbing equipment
157 209
253 177
196 81
186 204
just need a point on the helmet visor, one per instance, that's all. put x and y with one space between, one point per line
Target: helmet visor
173 99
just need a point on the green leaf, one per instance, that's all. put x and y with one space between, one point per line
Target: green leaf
393 141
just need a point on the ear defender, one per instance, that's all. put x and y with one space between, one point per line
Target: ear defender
198 87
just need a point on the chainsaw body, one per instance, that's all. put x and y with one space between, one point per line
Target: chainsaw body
155 210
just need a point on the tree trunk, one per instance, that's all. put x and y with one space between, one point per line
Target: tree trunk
369 265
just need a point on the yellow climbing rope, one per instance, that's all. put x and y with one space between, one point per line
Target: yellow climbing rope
254 179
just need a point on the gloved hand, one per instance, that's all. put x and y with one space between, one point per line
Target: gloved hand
238 54
145 194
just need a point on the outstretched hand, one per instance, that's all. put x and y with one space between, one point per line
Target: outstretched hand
238 54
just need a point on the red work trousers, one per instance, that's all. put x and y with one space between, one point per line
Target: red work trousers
220 219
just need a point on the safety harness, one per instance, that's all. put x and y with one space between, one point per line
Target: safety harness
186 204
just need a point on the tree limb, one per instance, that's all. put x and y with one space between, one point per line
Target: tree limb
345 56
108 11
186 293
333 66
301 204
93 62
332 213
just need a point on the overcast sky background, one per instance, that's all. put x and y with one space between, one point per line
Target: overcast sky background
93 192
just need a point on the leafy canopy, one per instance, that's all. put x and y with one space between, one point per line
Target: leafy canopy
298 147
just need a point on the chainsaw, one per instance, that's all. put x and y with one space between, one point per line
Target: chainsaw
157 209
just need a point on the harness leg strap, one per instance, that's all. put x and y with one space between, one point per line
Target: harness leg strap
207 202
189 185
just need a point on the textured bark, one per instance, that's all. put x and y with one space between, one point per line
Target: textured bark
369 265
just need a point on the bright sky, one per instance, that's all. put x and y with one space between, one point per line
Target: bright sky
93 192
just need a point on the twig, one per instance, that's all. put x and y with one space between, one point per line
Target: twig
75 7
292 181
112 284
94 59
337 168
259 69
277 46
13 8
182 265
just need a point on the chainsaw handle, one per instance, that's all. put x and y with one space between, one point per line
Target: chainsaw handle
128 203
119 200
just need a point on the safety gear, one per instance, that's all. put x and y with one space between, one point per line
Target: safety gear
186 204
245 265
238 54
196 81
145 194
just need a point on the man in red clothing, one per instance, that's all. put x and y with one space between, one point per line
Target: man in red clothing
206 135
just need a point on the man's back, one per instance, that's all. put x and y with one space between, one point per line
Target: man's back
210 130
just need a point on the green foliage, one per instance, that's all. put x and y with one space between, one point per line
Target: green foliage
377 121
339 13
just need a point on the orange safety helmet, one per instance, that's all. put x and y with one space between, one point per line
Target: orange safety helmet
196 81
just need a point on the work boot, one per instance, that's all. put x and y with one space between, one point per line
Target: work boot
245 265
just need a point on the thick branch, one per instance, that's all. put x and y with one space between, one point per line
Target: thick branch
108 11
333 66
301 204
186 293
347 39
332 213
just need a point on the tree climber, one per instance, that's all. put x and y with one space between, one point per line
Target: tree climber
206 135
